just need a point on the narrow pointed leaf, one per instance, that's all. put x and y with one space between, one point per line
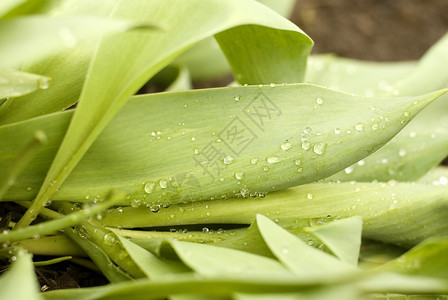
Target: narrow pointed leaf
384 208
302 259
150 264
225 262
343 237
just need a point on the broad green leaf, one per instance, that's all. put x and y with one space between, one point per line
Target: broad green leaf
398 213
20 161
406 157
428 258
150 264
287 136
206 61
19 282
47 35
209 260
151 52
355 76
437 176
68 67
15 83
387 79
343 237
305 261
8 5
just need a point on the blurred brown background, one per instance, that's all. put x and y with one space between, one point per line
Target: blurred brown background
381 30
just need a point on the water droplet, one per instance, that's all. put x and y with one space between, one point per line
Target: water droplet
228 160
265 168
44 83
218 141
300 170
406 114
196 151
254 161
319 148
273 159
286 146
384 161
307 130
374 126
309 196
349 170
193 139
412 134
298 162
319 101
239 175
163 183
149 187
359 126
272 84
337 130
402 152
306 146
237 98
109 239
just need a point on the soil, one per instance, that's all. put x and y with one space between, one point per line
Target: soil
380 30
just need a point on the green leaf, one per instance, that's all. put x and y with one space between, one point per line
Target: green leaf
407 157
8 5
426 259
302 259
14 84
20 161
343 237
273 157
437 176
150 264
384 207
356 76
19 35
225 262
19 282
151 52
49 227
112 272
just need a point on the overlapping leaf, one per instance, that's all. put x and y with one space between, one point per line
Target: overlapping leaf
159 161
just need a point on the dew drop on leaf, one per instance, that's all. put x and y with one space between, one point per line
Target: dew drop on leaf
286 146
239 175
228 160
254 161
149 187
306 146
273 159
319 101
163 183
359 127
309 196
319 148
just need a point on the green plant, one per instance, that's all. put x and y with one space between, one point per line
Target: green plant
261 189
